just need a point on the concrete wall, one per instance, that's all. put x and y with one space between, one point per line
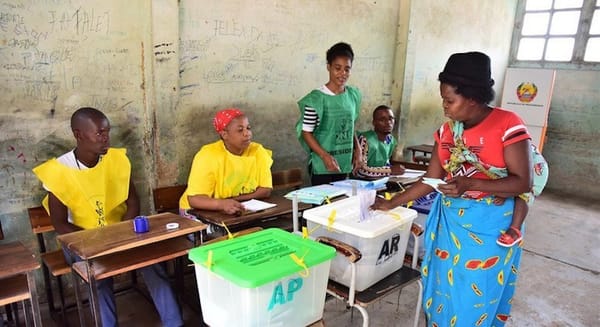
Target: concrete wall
263 57
573 136
436 30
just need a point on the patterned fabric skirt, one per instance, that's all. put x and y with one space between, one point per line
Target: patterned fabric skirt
468 279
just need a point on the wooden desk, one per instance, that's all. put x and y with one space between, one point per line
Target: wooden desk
283 207
117 248
426 149
17 260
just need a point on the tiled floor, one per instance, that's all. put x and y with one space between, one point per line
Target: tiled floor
559 283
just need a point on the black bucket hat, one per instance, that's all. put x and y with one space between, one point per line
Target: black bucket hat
468 68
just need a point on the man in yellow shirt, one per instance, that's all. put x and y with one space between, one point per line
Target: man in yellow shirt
90 187
230 170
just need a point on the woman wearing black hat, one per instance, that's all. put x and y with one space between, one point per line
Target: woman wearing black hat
481 152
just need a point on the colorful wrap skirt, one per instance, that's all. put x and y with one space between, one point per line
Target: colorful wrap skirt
468 279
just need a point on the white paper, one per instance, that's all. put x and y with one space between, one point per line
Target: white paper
257 205
412 173
366 198
433 182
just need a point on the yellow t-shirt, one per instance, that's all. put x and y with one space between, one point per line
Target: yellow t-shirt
220 174
95 196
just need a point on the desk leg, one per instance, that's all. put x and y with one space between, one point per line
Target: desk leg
179 285
35 305
94 304
295 220
77 300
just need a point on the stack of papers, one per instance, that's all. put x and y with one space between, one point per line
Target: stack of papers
316 194
257 205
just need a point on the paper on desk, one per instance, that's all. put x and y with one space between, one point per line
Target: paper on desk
257 205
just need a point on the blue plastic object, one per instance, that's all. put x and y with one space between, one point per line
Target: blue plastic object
423 204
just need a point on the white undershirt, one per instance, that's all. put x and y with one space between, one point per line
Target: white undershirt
68 159
310 121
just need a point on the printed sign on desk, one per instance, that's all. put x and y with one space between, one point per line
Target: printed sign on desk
528 93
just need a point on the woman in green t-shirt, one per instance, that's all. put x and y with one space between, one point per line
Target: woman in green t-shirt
327 118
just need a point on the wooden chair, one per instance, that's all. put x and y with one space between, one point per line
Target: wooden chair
283 181
395 281
411 165
53 262
14 289
287 179
166 199
6 294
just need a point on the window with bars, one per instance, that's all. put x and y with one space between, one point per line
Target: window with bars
557 34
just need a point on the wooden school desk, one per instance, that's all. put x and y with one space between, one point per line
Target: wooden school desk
283 207
116 248
17 260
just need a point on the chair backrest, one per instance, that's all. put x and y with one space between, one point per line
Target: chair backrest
287 179
40 224
166 199
39 220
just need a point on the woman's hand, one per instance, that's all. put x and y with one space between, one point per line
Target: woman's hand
382 204
231 207
456 186
330 163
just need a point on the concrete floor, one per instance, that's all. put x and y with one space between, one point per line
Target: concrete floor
559 283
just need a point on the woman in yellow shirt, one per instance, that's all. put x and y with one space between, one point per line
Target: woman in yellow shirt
230 170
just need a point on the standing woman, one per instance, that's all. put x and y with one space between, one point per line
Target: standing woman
481 152
327 118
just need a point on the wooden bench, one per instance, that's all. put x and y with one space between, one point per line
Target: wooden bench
14 289
54 262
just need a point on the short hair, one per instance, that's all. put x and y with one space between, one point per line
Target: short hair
340 49
380 108
85 112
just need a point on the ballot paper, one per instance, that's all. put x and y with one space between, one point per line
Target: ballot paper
433 182
257 205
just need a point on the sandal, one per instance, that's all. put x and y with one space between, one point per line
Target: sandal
507 240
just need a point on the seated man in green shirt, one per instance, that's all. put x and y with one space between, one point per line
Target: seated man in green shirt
378 145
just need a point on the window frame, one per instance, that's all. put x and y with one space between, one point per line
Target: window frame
581 38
